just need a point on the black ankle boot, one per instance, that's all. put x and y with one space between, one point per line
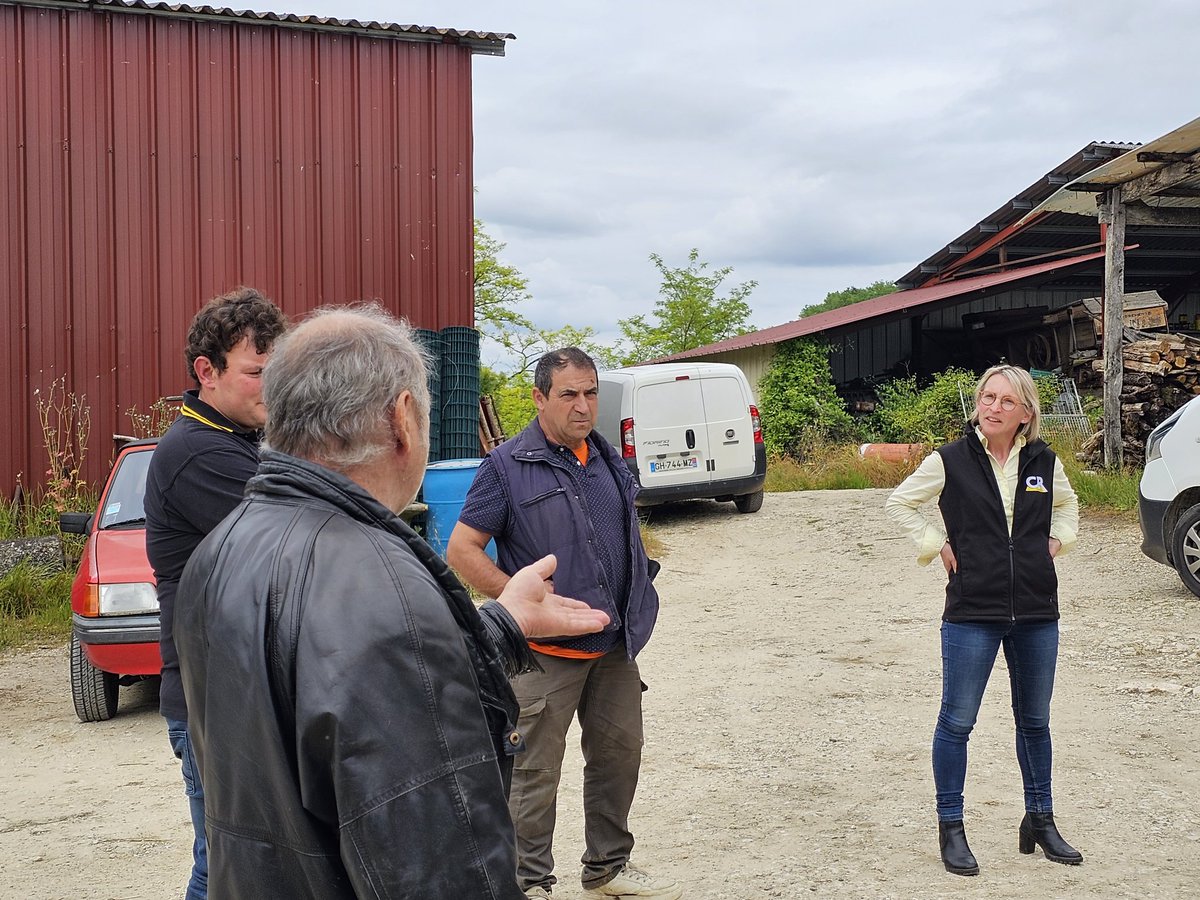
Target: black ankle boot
1039 829
956 855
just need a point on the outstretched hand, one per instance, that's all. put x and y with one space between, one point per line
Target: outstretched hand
539 612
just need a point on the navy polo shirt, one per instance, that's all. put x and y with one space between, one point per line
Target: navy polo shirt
197 475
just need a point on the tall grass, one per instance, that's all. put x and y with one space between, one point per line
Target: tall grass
839 467
10 523
38 516
824 467
34 603
1099 489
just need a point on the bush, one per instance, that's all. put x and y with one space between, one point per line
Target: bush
800 407
933 415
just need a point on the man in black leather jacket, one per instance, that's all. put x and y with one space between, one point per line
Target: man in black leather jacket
349 705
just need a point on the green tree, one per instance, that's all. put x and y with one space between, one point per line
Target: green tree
689 313
837 299
527 344
512 390
799 402
513 399
499 288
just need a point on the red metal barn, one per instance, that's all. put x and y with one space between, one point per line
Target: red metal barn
153 156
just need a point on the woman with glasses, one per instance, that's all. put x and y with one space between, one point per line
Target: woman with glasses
1007 510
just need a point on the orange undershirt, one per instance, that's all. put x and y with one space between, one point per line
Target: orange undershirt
581 454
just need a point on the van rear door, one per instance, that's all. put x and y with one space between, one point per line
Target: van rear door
730 431
670 432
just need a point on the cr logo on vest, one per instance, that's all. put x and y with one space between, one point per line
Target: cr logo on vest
1035 483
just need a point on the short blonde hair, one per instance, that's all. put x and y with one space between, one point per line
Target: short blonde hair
1022 384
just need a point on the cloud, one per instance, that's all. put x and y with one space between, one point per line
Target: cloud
812 147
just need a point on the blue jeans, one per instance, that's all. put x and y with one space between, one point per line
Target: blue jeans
181 744
968 654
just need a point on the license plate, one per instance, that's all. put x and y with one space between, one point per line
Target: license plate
671 465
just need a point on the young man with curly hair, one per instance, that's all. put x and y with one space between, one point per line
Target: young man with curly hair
197 475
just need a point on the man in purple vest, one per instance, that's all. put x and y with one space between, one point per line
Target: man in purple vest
559 487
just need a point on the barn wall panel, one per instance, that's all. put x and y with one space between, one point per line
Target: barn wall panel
154 160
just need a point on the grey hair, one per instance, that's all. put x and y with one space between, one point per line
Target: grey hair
331 385
1022 384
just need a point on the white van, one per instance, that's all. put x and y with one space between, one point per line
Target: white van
1169 494
688 431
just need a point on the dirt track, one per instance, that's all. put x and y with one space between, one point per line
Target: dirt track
793 687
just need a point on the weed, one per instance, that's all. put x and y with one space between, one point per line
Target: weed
34 602
154 423
654 546
66 424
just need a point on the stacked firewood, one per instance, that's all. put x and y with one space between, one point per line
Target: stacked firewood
1161 373
491 432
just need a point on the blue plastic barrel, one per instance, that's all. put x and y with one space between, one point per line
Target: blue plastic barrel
444 492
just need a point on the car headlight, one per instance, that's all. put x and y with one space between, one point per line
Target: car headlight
123 599
1154 441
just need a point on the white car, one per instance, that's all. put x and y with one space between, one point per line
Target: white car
1169 494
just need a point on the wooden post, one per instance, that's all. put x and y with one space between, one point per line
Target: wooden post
1114 308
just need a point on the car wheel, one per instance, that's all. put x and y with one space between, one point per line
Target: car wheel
93 690
1185 549
748 503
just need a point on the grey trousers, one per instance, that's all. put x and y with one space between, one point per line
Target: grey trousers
606 692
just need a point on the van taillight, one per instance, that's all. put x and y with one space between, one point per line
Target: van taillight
756 421
627 449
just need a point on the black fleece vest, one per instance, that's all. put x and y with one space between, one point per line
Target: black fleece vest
999 578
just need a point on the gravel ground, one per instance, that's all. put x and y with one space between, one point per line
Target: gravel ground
793 685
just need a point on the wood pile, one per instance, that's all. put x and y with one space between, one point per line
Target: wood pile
491 432
1161 373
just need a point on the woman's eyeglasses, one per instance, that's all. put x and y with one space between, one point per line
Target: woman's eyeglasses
1008 404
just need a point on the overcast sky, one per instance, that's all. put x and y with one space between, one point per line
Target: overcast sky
810 146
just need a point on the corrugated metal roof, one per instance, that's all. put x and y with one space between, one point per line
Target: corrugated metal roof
1087 159
1079 196
485 42
890 305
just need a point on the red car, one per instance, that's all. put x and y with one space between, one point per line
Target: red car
114 635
